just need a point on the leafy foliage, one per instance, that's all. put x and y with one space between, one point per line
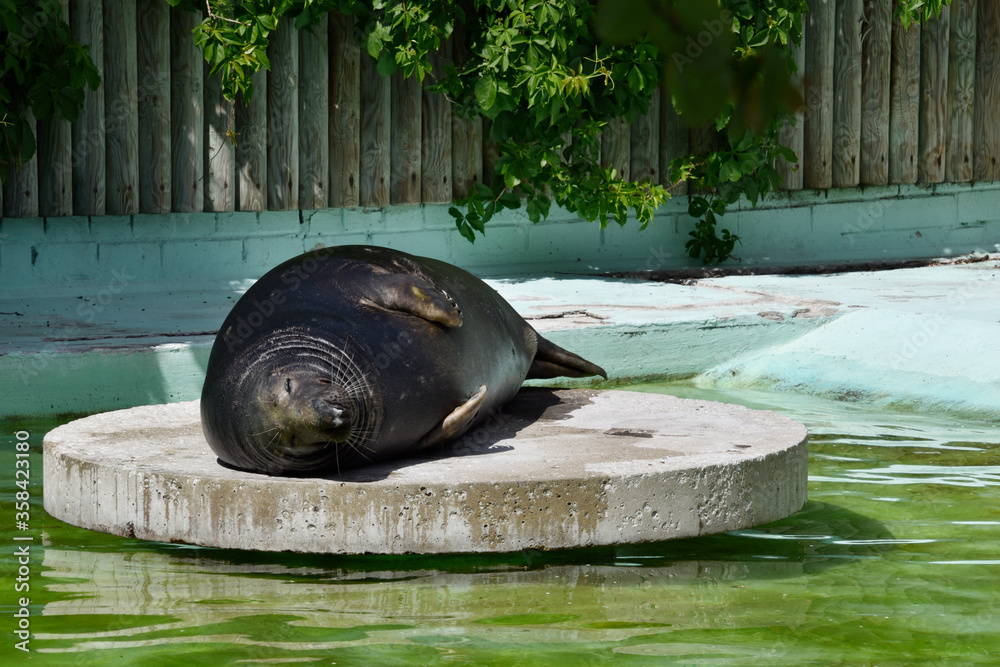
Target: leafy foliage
42 69
547 75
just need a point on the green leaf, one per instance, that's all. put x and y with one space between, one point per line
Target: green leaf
386 63
730 171
486 92
466 231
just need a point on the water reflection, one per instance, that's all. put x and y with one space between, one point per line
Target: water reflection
611 593
893 561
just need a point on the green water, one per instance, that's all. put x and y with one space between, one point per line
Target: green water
895 560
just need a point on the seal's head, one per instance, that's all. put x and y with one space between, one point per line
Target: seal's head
308 411
303 405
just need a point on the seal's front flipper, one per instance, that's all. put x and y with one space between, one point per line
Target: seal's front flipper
553 361
456 423
415 296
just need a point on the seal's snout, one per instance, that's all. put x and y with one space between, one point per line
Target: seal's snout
333 408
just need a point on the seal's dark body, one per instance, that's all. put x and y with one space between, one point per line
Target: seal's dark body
416 370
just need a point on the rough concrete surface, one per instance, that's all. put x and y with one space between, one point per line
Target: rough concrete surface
556 469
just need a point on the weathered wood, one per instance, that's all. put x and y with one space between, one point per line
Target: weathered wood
404 142
376 109
153 93
674 142
791 135
20 184
283 119
847 95
615 147
314 115
904 103
121 105
986 158
220 154
961 91
345 116
54 138
435 141
703 139
933 133
644 150
876 59
55 171
466 133
87 24
818 127
491 153
467 155
187 115
251 147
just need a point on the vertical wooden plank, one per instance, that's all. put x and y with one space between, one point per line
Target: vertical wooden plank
220 154
904 103
791 135
466 133
847 95
703 139
467 154
345 115
314 115
817 167
187 115
615 147
153 89
404 185
986 158
674 142
121 106
961 91
87 24
932 134
251 147
645 144
283 119
491 153
20 199
55 158
374 174
435 140
55 170
876 58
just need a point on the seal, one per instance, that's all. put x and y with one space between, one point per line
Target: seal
355 354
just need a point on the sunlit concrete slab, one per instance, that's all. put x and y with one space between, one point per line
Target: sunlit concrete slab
557 469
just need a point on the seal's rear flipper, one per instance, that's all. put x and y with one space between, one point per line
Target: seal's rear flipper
552 361
456 423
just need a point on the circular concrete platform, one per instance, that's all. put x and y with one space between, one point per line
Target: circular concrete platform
557 469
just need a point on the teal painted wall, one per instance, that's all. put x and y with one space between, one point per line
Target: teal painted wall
58 255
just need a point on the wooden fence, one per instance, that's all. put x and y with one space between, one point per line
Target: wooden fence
323 129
